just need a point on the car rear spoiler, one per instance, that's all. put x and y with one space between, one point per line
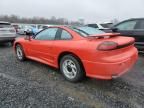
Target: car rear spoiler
105 34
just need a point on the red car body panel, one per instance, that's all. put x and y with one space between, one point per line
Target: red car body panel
97 64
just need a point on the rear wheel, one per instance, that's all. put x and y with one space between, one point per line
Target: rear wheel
71 68
20 53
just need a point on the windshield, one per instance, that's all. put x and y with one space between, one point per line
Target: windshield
87 31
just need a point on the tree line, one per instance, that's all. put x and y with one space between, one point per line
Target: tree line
40 20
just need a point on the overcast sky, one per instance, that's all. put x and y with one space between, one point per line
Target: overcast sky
90 10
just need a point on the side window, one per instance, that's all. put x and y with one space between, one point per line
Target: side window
48 34
129 25
140 25
65 35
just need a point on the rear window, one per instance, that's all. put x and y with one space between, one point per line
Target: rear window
87 31
5 25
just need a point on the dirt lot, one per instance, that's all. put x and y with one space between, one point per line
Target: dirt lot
31 84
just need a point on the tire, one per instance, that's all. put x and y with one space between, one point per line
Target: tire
71 68
20 52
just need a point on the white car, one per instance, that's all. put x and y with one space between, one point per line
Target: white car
7 32
102 26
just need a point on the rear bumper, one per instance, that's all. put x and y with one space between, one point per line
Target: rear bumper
7 39
109 71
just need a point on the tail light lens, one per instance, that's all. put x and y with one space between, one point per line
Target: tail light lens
107 45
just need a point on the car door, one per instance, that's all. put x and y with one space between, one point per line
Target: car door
126 28
41 46
63 39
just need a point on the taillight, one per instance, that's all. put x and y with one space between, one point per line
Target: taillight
107 45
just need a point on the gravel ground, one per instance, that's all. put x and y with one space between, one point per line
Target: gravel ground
31 84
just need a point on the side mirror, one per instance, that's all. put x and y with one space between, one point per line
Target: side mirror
27 37
114 29
29 33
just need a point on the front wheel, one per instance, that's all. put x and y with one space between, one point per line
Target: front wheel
20 53
71 68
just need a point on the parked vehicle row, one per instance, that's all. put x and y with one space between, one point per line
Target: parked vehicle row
23 29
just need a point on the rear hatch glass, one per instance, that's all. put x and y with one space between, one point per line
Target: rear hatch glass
5 25
87 31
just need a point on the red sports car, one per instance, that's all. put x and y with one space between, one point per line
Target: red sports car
79 51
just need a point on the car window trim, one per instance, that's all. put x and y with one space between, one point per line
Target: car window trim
138 22
59 37
58 34
126 22
37 34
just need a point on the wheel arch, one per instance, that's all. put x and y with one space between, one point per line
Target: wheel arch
16 45
69 53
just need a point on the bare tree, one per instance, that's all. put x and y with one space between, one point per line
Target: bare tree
39 20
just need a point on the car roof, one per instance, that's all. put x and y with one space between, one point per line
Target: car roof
128 20
136 19
3 22
132 19
101 23
59 26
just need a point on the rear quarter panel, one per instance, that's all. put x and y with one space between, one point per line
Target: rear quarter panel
78 47
86 49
